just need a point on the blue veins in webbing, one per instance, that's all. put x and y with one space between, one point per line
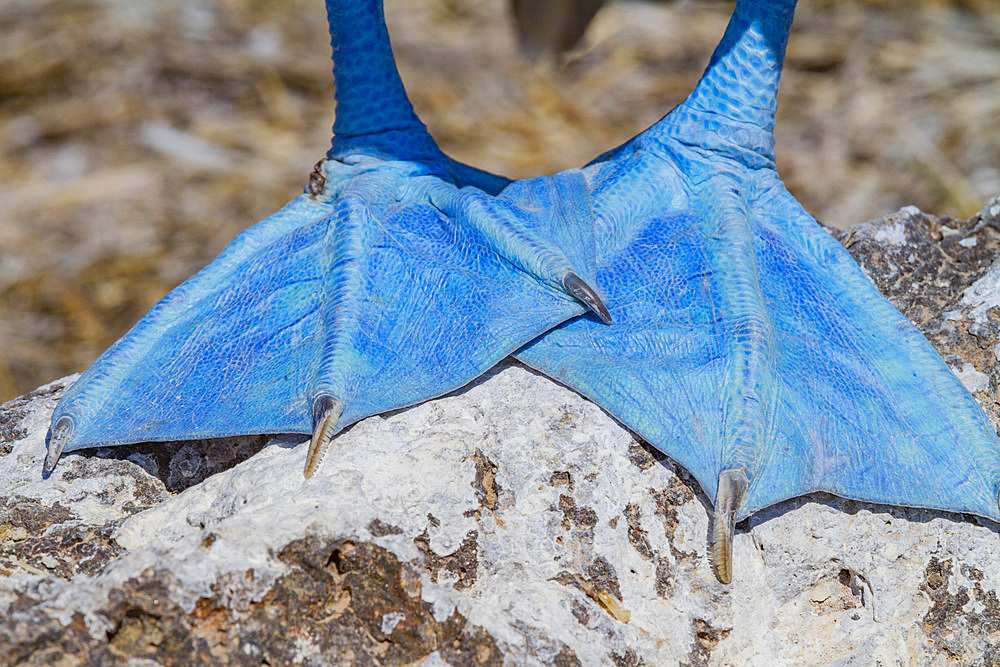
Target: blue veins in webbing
331 309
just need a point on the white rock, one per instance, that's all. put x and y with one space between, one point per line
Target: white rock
893 234
984 294
817 580
975 381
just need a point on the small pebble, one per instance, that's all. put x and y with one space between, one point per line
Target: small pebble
10 533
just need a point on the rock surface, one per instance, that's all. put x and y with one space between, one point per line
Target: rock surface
512 521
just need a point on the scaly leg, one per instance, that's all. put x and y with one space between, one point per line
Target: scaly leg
398 276
747 344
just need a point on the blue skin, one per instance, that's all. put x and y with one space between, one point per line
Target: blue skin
746 343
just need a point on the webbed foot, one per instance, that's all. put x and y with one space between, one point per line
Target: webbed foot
398 276
747 344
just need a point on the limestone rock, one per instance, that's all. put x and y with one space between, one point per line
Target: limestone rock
512 521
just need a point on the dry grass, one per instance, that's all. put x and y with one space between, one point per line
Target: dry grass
136 139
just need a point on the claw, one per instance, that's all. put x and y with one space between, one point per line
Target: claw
57 439
585 293
326 413
732 489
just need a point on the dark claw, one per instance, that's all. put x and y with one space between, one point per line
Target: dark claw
732 489
58 437
585 293
326 414
317 181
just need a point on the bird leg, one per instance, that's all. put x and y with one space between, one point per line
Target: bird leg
398 276
747 344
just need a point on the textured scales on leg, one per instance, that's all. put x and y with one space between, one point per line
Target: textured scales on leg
398 276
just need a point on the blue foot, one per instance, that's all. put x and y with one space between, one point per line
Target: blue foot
747 344
388 287
397 277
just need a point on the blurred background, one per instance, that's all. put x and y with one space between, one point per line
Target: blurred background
138 137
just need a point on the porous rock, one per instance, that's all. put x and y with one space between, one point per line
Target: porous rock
512 521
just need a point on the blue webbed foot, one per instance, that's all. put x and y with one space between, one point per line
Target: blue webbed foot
378 292
747 343
398 276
